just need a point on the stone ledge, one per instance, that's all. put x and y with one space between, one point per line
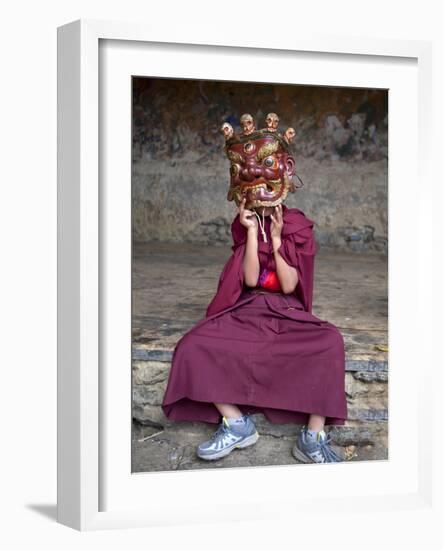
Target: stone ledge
140 353
366 393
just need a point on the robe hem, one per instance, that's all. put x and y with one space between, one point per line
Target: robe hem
261 409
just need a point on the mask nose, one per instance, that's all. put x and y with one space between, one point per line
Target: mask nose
251 171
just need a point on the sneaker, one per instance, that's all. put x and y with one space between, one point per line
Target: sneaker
229 436
310 448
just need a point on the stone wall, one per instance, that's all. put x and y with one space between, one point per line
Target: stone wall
180 174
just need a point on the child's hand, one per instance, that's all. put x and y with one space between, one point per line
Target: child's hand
247 217
277 223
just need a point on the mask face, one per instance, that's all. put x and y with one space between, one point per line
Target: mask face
261 169
262 165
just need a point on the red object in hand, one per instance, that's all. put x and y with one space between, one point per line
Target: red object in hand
269 280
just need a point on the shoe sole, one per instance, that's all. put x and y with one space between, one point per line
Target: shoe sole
299 455
251 440
306 459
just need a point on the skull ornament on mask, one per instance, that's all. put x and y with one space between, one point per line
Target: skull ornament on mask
247 123
227 130
262 165
289 135
272 122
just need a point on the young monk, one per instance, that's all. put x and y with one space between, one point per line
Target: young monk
260 349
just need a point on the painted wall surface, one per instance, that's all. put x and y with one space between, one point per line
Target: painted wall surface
181 175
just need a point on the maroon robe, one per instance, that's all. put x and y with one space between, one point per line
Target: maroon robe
261 350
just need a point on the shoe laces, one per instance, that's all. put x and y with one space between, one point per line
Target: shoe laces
222 429
329 454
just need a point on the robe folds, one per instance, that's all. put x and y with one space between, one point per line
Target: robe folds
261 349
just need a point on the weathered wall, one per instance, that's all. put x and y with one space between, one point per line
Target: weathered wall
180 173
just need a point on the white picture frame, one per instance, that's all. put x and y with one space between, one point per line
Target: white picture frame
95 488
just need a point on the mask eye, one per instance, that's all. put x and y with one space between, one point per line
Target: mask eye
234 169
268 162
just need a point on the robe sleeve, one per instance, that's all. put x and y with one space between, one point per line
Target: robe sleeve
231 279
298 250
